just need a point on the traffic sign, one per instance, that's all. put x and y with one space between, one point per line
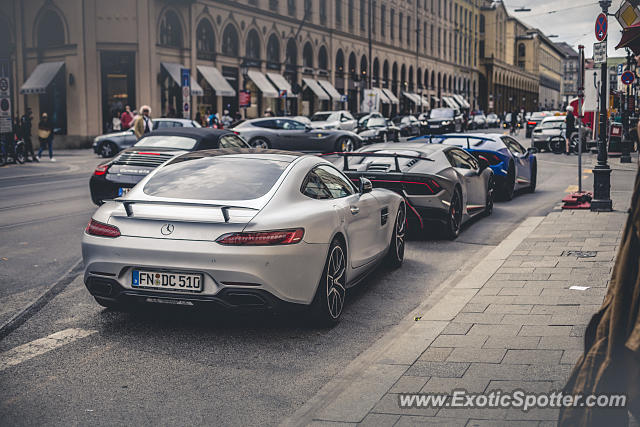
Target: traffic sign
6 120
620 69
627 77
185 77
600 52
283 94
628 14
601 27
343 98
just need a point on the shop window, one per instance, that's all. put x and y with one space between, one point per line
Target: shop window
170 30
205 40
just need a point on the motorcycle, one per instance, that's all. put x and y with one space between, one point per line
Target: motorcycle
13 153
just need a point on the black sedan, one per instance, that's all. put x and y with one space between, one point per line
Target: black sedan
115 177
110 144
534 120
408 125
443 120
378 130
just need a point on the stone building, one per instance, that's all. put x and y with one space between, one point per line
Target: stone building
570 72
82 61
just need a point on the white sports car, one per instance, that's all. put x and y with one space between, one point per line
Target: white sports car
240 227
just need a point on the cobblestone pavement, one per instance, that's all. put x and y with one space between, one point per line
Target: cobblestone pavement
513 323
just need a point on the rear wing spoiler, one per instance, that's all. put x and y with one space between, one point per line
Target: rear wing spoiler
128 203
346 156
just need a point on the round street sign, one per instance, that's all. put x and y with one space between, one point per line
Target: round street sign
601 27
627 77
4 85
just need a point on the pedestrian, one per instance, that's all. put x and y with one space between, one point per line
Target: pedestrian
25 130
45 135
226 119
126 118
143 124
570 122
116 122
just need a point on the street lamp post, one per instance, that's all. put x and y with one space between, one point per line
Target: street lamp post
626 119
602 172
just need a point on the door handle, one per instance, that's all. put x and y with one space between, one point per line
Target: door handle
354 210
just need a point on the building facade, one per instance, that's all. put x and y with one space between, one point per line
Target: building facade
570 72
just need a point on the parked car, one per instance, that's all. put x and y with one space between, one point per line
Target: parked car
284 133
493 121
208 227
533 121
334 120
548 128
408 125
302 119
443 120
478 121
117 176
439 182
361 117
110 144
514 166
378 129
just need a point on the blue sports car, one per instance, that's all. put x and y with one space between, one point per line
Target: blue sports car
514 166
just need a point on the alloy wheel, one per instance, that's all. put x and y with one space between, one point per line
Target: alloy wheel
106 150
346 145
335 285
401 225
259 143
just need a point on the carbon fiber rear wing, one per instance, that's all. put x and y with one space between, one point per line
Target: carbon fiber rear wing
395 156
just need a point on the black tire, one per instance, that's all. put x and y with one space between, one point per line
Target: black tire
21 156
488 206
328 302
509 183
260 142
395 255
557 145
344 144
533 180
108 149
454 219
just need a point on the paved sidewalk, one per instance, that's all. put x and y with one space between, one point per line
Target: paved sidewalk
512 323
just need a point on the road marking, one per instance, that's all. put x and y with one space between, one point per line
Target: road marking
571 189
28 351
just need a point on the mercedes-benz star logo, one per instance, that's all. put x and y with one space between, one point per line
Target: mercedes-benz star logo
167 229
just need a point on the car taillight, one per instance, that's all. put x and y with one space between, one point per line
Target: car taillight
531 123
101 170
262 238
491 158
96 228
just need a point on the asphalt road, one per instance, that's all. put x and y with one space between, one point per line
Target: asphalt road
170 366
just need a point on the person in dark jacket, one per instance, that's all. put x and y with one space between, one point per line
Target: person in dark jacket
25 132
570 122
45 135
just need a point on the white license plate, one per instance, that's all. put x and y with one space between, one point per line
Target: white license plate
122 191
180 282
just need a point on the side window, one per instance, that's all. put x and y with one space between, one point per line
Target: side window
458 161
314 187
513 145
335 182
162 124
268 124
292 125
469 159
178 124
232 141
348 116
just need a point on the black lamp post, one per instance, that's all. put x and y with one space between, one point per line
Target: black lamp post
602 172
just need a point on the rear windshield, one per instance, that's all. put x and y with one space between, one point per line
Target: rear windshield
177 142
552 124
216 178
442 113
537 115
320 117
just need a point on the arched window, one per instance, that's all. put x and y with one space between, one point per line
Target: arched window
230 41
385 74
376 71
364 66
50 30
273 49
419 79
433 80
252 45
307 55
403 77
410 78
521 49
205 39
353 72
394 78
323 60
170 30
339 63
292 53
426 79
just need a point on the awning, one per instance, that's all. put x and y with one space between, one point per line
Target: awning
383 98
435 98
631 38
413 98
463 102
263 84
450 102
41 77
281 83
217 81
391 96
332 91
174 71
315 87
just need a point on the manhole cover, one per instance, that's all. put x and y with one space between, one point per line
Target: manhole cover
581 254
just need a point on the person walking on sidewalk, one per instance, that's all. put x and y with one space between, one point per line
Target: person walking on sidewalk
25 130
45 135
126 118
570 122
143 124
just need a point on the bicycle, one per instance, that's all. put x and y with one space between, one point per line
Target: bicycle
558 144
12 152
514 130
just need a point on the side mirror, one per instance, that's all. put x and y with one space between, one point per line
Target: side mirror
532 150
365 186
307 128
484 163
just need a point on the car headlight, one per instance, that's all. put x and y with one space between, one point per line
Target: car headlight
446 123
